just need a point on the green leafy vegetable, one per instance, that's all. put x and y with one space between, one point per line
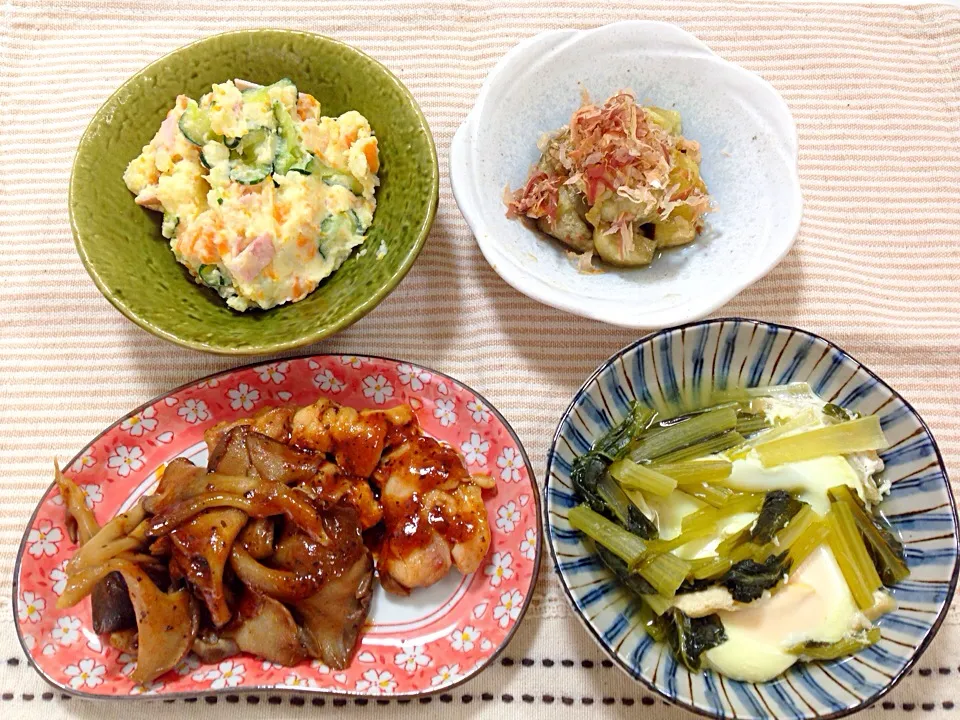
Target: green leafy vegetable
624 510
800 421
737 503
848 645
652 624
706 529
592 482
710 446
778 508
851 555
714 496
886 550
632 581
747 580
690 637
695 472
627 546
840 439
614 443
748 424
812 537
682 432
641 477
666 572
838 413
797 526
707 572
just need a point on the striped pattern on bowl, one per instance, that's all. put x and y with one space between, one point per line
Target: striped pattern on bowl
678 368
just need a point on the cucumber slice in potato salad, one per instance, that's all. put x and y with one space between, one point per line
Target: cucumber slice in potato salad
195 125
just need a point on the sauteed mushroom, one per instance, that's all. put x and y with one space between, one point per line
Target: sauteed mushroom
263 551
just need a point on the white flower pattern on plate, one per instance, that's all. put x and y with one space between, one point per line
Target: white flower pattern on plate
150 688
413 376
30 607
509 462
270 665
86 672
91 494
126 459
478 411
508 516
462 639
58 577
475 450
444 412
376 682
86 460
194 411
378 388
446 674
211 383
128 663
412 657
294 680
499 568
351 360
321 667
509 607
274 372
243 396
144 421
44 539
186 666
328 382
67 630
528 546
227 674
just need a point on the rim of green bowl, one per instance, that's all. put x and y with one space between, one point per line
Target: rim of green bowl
359 310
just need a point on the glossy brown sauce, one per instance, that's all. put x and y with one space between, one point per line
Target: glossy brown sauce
423 465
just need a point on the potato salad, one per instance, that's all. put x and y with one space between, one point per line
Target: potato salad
262 196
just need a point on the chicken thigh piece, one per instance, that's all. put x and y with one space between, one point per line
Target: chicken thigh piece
356 438
433 512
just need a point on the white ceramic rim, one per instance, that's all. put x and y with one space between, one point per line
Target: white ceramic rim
464 191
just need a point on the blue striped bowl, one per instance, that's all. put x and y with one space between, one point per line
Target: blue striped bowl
679 367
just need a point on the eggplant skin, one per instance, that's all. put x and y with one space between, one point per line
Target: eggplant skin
112 609
110 601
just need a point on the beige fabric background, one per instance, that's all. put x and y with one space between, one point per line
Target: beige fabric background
876 95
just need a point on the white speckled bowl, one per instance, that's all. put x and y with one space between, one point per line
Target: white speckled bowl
749 145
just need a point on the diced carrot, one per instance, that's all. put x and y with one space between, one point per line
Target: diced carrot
370 152
350 137
208 250
306 106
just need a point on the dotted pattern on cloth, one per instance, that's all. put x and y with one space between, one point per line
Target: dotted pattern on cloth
873 90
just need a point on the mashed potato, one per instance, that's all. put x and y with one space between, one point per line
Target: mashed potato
262 198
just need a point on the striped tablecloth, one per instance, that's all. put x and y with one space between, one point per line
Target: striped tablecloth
876 95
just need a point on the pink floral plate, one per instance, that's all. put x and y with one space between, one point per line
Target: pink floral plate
432 640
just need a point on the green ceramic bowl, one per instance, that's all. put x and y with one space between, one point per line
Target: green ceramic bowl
120 243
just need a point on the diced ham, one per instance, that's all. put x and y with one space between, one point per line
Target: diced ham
168 130
148 198
254 258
